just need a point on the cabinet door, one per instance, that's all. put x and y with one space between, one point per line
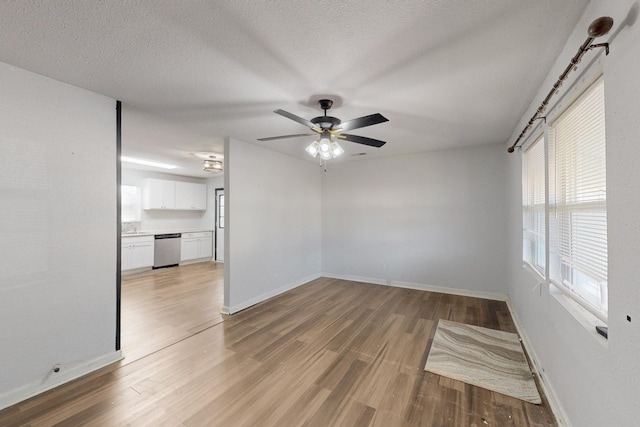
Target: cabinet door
125 257
188 249
200 197
142 255
169 194
159 194
191 196
152 197
206 247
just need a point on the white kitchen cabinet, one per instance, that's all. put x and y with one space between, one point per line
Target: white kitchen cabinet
197 245
191 196
206 246
136 252
174 195
189 249
159 194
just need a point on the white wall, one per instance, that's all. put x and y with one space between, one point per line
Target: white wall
272 230
159 220
58 227
429 220
596 383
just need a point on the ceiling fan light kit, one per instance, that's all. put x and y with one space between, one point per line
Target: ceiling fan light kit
326 147
313 149
336 149
330 129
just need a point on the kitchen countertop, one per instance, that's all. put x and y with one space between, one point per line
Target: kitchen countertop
154 232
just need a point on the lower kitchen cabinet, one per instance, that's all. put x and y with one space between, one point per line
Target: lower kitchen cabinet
136 252
196 246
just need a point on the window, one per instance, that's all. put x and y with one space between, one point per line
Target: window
578 201
130 203
533 207
221 210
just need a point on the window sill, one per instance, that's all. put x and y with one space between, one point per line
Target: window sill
581 314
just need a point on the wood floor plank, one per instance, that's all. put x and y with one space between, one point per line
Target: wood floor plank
328 353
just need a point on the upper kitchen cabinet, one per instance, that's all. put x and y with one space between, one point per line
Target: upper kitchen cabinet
159 194
175 195
191 196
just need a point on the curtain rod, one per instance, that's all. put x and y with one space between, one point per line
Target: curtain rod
598 28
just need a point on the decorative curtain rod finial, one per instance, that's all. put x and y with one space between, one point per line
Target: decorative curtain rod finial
600 26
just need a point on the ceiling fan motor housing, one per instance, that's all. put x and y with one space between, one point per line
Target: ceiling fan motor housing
326 122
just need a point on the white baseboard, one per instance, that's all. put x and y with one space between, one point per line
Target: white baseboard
547 389
196 261
135 271
419 286
265 296
52 380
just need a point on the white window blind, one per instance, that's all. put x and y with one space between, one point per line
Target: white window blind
533 206
578 203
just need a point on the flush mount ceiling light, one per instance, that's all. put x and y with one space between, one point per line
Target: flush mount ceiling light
330 130
146 163
212 165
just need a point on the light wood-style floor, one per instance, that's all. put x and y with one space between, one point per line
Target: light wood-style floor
164 306
328 353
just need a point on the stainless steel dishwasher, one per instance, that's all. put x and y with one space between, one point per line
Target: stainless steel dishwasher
166 250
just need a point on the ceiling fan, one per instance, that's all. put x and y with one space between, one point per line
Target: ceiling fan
330 130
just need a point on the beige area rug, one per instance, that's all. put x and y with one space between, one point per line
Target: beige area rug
483 357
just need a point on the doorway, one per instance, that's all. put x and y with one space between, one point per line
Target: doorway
219 221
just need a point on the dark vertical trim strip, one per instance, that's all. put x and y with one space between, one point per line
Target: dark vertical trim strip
118 219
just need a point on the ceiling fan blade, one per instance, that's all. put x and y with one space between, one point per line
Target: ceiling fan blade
362 140
360 122
298 119
271 138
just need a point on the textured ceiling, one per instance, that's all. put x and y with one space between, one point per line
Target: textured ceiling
446 73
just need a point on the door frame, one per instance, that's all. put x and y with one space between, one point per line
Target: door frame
118 225
215 223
